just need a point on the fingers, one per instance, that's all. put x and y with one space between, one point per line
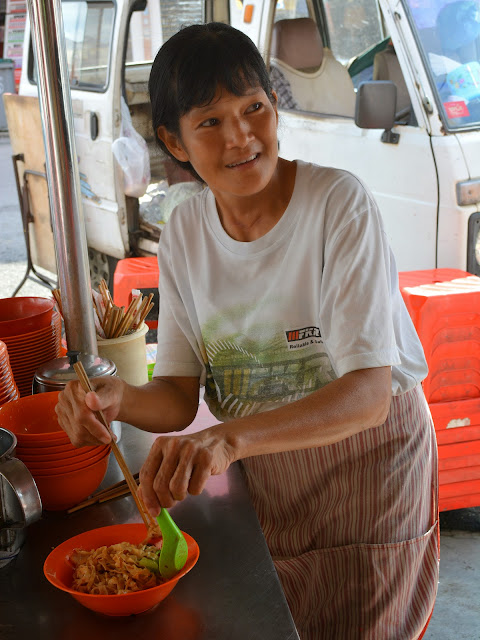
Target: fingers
179 465
75 412
165 475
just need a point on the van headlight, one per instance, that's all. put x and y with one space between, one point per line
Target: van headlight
468 192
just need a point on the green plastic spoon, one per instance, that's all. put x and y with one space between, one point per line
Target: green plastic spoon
174 551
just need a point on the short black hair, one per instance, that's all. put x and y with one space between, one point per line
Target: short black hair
192 64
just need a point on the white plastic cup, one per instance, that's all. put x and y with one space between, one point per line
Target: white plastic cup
129 353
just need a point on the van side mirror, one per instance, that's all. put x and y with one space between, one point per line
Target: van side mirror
375 107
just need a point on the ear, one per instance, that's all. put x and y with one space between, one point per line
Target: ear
275 104
173 144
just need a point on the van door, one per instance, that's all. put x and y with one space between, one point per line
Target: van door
310 46
110 47
91 35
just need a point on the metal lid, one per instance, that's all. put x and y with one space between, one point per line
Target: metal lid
58 372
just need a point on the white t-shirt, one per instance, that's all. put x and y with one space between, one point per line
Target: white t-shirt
267 322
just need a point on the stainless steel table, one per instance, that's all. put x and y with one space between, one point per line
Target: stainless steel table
233 592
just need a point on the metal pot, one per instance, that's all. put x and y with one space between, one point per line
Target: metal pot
20 503
55 374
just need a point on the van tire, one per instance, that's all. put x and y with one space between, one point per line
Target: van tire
101 266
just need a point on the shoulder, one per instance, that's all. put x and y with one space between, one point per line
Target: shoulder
330 181
338 195
185 216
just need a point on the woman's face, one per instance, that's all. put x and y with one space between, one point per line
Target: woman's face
231 142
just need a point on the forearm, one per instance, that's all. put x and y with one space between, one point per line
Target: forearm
160 406
356 402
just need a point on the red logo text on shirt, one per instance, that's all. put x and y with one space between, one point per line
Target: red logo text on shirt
299 338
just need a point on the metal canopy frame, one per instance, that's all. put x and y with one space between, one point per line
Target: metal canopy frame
62 174
27 218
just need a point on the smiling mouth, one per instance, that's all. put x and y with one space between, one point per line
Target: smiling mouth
238 164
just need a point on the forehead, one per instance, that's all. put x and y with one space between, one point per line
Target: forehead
223 96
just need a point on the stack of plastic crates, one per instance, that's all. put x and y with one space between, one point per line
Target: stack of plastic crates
137 273
444 305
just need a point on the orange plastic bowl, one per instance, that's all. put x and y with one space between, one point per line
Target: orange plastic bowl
49 446
64 456
64 490
33 419
24 315
48 468
58 570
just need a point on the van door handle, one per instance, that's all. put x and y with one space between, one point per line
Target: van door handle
93 125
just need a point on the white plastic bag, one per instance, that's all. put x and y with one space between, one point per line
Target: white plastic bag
131 153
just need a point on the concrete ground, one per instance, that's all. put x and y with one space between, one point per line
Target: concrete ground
457 610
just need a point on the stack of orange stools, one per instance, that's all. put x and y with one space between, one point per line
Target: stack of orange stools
444 305
137 273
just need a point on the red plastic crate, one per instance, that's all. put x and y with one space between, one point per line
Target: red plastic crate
444 305
457 421
447 503
137 273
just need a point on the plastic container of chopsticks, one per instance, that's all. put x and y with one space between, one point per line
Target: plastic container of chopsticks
129 354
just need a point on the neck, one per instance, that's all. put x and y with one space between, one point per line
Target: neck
248 218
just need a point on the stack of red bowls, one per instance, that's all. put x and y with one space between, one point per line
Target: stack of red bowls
65 475
31 328
8 388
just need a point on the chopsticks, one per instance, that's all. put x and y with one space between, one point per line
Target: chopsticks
58 300
116 321
132 485
117 490
112 321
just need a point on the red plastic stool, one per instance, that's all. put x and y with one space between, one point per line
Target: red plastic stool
137 273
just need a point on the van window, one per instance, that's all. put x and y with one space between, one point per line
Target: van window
286 10
449 36
88 28
354 26
304 72
149 29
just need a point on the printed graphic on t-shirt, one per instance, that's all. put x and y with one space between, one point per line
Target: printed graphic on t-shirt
258 372
301 338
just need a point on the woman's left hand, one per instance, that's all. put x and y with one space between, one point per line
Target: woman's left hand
178 465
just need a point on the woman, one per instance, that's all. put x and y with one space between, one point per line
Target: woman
279 295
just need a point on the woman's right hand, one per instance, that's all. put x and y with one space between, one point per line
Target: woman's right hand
76 410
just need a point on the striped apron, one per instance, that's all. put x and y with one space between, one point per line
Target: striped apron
353 527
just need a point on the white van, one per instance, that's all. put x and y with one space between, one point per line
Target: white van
332 64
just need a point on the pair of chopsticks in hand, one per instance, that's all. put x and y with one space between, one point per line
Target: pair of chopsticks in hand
149 521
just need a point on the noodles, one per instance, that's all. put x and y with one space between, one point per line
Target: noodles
115 569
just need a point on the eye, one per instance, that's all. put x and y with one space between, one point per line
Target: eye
254 107
209 123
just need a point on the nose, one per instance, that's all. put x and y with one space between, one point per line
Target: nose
239 133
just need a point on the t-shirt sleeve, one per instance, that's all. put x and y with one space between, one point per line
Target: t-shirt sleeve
356 316
178 353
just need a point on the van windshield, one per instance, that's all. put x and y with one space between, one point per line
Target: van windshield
449 34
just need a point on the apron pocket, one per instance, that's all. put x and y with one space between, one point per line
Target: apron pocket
363 591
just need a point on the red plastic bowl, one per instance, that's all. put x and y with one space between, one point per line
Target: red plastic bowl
58 570
24 315
39 468
64 490
49 446
65 456
33 419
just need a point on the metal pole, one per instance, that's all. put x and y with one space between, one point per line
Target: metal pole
62 174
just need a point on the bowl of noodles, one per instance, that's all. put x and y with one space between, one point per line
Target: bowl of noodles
106 569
